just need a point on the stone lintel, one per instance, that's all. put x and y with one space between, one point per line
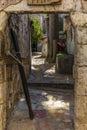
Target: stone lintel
22 7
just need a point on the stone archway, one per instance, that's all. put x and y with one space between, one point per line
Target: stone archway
78 14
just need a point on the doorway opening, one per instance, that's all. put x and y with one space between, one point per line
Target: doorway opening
46 44
53 51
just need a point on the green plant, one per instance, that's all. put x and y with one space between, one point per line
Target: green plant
61 54
37 33
45 15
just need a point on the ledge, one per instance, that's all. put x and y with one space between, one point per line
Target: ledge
22 7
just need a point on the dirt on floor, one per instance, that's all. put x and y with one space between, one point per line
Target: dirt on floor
53 110
43 72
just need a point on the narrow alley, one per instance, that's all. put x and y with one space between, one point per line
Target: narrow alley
44 73
53 108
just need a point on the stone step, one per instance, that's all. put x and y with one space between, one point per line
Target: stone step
52 85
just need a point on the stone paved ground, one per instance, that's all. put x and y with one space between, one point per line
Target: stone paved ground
43 72
53 110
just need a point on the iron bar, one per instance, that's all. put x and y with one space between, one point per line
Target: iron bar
22 74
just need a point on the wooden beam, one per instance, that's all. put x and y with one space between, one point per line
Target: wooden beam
22 74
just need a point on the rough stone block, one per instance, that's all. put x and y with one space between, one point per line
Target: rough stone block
81 73
81 109
79 126
81 35
5 3
80 113
79 19
1 126
3 21
81 81
81 55
2 116
3 91
78 5
81 87
84 5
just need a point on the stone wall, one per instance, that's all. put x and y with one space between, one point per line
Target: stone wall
81 79
20 23
10 81
22 6
80 70
3 83
78 14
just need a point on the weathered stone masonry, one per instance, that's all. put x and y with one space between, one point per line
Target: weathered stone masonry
78 14
80 71
10 82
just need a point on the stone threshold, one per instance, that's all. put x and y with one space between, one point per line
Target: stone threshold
52 85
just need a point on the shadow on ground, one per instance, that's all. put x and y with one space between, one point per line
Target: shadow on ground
53 110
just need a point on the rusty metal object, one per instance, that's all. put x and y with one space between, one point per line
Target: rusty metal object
22 73
43 2
6 3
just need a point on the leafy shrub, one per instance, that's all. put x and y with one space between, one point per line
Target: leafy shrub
37 33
